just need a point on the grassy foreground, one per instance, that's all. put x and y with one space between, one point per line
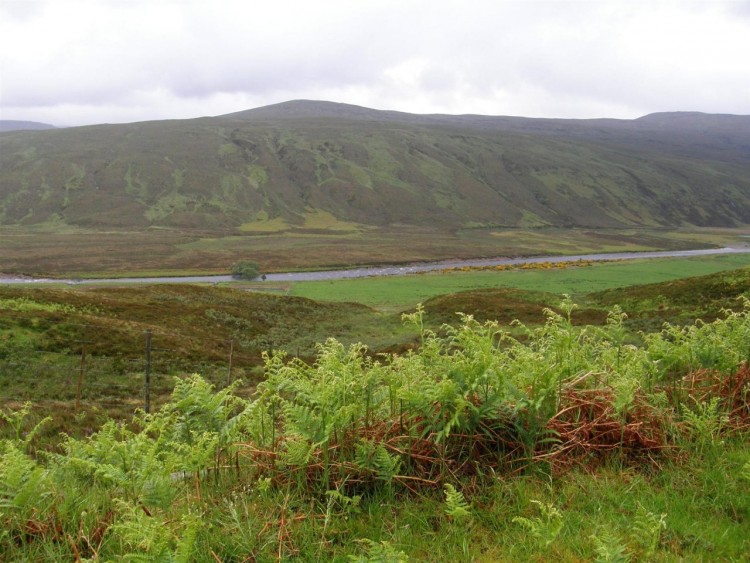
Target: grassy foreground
566 444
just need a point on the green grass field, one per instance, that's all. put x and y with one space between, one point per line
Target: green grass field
404 292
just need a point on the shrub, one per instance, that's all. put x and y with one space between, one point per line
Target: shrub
246 270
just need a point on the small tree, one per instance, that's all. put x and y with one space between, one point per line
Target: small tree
245 269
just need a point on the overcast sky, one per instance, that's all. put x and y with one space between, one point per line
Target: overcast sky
70 62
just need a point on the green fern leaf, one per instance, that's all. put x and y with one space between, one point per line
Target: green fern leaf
455 504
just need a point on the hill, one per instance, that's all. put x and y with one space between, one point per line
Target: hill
14 125
273 168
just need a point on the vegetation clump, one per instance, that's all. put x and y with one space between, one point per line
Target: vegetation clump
302 468
245 270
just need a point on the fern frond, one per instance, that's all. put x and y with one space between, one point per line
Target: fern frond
647 528
298 452
609 548
455 504
745 471
379 552
544 527
23 483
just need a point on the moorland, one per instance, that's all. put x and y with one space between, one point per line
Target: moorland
580 411
317 184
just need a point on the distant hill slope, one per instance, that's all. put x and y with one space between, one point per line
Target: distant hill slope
283 162
14 125
726 137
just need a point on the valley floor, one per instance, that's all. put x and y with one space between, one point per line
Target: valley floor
76 252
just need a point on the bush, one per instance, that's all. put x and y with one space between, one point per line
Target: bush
246 270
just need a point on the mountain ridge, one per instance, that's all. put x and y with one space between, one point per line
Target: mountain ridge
322 108
626 132
277 166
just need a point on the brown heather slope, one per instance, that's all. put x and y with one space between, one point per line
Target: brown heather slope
274 167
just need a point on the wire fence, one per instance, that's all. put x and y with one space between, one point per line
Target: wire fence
117 368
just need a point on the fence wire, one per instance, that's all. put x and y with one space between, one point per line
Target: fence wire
139 375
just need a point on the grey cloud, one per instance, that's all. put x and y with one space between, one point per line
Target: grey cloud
740 8
549 57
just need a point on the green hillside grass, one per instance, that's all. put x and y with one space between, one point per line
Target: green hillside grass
222 175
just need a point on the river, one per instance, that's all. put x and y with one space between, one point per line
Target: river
388 270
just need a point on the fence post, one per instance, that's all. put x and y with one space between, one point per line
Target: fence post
81 371
147 386
229 370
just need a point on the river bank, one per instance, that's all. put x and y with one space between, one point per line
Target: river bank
385 270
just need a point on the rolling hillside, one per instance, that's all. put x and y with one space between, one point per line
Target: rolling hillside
273 168
15 125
